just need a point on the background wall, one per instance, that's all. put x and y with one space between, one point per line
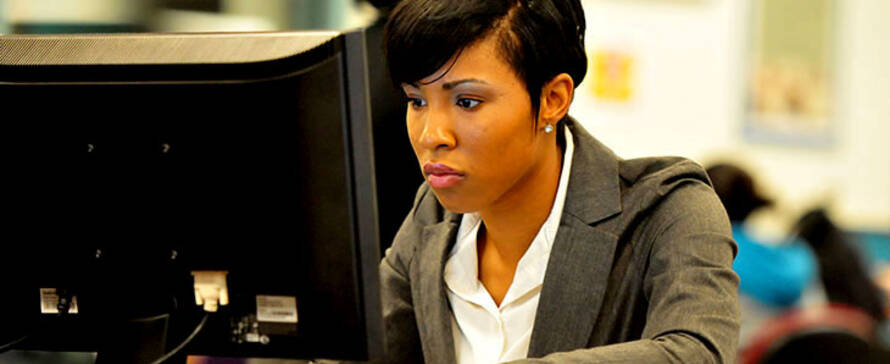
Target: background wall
691 61
689 81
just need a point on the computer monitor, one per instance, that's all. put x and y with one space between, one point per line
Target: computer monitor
132 161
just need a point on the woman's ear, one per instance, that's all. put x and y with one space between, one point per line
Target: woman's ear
556 97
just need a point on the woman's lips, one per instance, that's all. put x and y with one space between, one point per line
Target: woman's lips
444 180
441 175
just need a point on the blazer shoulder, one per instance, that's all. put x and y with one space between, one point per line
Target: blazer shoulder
659 176
647 183
426 209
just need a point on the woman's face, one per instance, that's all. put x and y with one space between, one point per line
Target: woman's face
473 130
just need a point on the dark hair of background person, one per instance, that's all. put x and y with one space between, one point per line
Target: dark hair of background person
540 39
736 190
843 273
841 270
396 171
384 7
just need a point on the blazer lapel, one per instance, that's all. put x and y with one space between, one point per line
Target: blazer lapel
573 290
431 305
582 254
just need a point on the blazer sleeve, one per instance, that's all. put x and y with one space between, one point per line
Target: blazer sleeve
692 291
402 339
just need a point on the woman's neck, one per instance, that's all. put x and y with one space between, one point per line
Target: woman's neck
511 223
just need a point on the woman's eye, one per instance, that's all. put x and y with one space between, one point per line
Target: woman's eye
416 102
468 103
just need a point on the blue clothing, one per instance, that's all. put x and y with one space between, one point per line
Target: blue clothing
772 274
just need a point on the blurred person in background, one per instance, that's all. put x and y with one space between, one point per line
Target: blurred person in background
844 275
773 274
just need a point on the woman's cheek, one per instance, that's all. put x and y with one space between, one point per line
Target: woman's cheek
413 132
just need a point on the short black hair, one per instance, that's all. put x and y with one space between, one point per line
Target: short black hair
539 39
737 191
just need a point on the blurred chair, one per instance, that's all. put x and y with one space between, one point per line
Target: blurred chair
825 334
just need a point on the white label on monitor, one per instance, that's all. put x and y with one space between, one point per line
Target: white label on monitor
276 309
49 302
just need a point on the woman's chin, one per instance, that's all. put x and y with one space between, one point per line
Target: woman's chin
453 203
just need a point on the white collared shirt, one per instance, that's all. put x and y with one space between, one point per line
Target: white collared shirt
483 332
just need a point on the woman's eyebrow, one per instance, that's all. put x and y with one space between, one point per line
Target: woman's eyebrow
408 88
453 84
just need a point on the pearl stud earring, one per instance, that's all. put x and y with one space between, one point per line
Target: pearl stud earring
548 129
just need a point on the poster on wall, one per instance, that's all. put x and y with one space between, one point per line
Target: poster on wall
612 75
790 85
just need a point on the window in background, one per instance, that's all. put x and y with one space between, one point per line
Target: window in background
115 16
3 17
75 16
790 97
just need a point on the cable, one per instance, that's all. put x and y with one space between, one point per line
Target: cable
156 317
184 342
150 319
64 306
8 346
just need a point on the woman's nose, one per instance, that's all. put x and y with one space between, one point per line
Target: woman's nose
438 133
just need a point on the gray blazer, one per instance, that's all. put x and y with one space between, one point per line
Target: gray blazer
640 270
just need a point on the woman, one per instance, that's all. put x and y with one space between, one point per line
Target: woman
529 238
